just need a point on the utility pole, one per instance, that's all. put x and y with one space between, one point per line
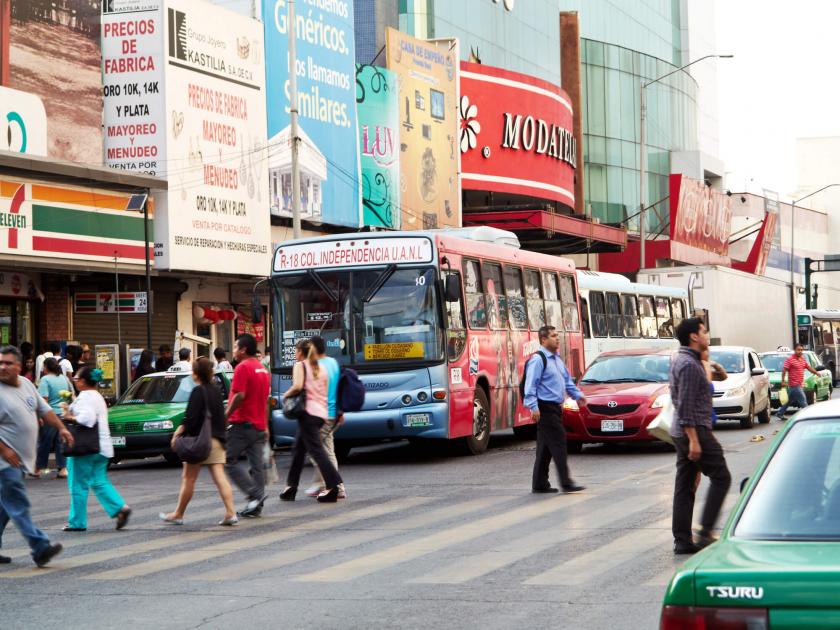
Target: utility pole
295 139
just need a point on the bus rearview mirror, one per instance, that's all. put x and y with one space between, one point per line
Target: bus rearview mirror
256 308
452 288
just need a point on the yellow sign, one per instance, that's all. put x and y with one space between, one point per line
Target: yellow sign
391 351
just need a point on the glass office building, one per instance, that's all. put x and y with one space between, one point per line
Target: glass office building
622 44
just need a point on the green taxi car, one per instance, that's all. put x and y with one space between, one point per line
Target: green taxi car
816 388
144 418
777 562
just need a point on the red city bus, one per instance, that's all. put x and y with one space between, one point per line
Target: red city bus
439 333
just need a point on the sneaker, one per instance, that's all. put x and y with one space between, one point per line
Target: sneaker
253 509
314 490
43 558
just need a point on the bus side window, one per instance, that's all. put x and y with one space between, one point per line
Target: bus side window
663 318
615 325
599 313
647 316
476 304
495 296
584 309
553 308
678 311
515 299
828 335
536 307
630 314
817 336
571 320
456 335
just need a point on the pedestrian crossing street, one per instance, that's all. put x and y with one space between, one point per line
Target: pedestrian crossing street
575 540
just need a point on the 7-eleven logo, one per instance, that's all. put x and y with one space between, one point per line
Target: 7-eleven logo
13 219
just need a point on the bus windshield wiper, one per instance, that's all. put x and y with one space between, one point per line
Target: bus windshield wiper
380 280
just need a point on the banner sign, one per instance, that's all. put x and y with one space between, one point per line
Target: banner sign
427 75
701 217
329 165
111 302
356 253
516 134
215 95
133 87
66 222
379 143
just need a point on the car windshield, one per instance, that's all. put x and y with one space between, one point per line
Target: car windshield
798 495
637 368
773 362
366 316
163 388
731 360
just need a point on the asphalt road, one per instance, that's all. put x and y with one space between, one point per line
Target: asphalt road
424 540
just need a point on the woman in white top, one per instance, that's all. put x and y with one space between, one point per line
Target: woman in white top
90 472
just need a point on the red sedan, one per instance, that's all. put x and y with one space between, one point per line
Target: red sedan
625 390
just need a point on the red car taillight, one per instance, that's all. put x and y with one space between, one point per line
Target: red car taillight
708 618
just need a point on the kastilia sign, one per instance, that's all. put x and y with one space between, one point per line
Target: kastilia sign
515 134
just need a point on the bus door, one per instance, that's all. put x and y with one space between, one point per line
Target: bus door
461 384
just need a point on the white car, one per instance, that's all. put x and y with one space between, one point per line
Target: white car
745 393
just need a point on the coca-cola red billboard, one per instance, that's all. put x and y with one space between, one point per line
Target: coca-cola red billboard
515 134
700 216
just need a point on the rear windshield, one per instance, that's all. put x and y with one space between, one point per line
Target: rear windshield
773 362
798 495
166 388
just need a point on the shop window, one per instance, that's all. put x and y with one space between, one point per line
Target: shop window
517 309
476 304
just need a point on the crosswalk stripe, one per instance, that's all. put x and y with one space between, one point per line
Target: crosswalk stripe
588 566
40 517
217 549
446 538
476 565
348 540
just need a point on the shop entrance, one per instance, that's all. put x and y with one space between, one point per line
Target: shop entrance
17 322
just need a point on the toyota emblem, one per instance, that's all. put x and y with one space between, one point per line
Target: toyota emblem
612 404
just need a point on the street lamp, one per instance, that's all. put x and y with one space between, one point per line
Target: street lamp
643 156
792 234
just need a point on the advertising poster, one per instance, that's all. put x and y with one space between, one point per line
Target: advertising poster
329 165
216 205
23 123
379 146
427 76
516 135
701 217
54 53
132 85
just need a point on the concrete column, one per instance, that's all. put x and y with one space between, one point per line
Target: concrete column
570 82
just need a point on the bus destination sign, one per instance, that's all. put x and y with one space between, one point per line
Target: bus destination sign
358 252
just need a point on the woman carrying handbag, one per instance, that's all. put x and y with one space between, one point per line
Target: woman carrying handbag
204 411
87 462
308 376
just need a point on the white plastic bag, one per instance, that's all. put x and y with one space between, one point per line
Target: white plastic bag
660 426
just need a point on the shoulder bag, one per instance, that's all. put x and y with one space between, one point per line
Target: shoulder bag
194 449
660 426
295 406
85 439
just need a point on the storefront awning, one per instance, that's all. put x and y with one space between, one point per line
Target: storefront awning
552 233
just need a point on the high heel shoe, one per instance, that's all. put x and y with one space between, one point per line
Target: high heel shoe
289 493
328 496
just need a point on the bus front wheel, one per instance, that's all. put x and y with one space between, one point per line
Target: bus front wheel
477 443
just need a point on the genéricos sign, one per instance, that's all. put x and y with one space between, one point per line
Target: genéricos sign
516 134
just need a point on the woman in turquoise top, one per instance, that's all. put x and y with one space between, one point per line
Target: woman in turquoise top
52 383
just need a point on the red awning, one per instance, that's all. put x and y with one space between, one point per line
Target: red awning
566 234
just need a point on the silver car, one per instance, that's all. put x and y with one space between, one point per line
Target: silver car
746 391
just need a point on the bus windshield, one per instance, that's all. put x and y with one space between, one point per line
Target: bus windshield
371 316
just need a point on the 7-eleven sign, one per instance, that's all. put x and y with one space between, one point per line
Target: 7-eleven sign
111 302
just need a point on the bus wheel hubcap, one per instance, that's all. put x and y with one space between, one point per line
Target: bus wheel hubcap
479 420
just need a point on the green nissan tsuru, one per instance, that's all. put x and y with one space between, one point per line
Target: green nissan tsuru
777 563
146 415
816 388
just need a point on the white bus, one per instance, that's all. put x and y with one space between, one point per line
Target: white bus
618 314
819 330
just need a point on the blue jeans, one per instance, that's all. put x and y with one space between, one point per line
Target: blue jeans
85 473
14 505
796 397
48 441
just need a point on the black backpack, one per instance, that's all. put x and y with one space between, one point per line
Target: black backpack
351 391
525 373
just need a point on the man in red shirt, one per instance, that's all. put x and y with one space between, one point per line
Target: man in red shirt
246 413
793 374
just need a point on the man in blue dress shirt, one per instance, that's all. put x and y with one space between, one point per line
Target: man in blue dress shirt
547 383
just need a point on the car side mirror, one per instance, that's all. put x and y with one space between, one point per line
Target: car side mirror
758 372
452 288
256 308
743 485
